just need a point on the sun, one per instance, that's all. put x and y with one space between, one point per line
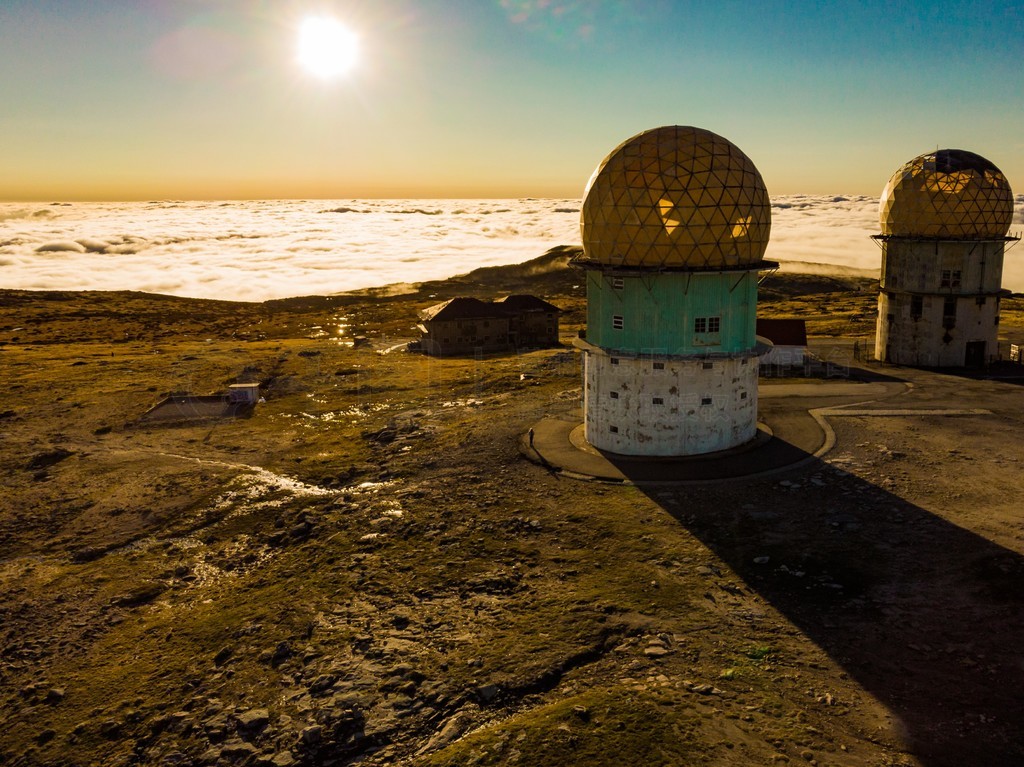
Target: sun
327 48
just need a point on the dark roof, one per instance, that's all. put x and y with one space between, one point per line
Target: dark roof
526 303
783 332
462 309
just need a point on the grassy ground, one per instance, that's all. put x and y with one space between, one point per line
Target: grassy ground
366 571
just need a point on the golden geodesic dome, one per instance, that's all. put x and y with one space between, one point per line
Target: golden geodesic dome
949 193
675 197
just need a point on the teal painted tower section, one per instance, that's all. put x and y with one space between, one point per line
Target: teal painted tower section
672 312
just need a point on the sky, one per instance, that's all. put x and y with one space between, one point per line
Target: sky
205 99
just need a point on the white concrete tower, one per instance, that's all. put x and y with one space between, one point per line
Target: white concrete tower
674 223
945 218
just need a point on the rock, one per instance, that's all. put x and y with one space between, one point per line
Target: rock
47 459
402 670
216 730
761 560
234 749
656 651
45 736
254 719
702 689
281 653
110 729
487 692
322 684
282 759
181 722
87 554
142 594
407 688
222 656
55 696
581 713
312 735
453 729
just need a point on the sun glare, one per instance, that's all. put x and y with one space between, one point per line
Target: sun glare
327 48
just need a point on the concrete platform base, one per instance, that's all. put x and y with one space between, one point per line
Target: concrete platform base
793 431
559 445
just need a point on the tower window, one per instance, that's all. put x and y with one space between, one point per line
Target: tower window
659 365
613 395
618 283
708 365
613 360
705 400
707 324
657 401
617 321
743 395
950 278
613 429
916 307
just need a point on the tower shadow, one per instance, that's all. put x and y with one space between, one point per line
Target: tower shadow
927 616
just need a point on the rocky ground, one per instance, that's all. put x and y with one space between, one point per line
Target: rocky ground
365 571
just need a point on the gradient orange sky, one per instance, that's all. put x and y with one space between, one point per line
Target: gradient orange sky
204 99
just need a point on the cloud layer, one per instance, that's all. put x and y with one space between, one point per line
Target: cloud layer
273 249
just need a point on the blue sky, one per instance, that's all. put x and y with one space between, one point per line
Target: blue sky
203 99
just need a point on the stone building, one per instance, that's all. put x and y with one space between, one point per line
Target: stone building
533 322
470 326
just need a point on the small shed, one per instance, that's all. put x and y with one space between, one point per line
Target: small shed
244 393
789 337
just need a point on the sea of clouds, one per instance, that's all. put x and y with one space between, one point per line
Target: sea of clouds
258 250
